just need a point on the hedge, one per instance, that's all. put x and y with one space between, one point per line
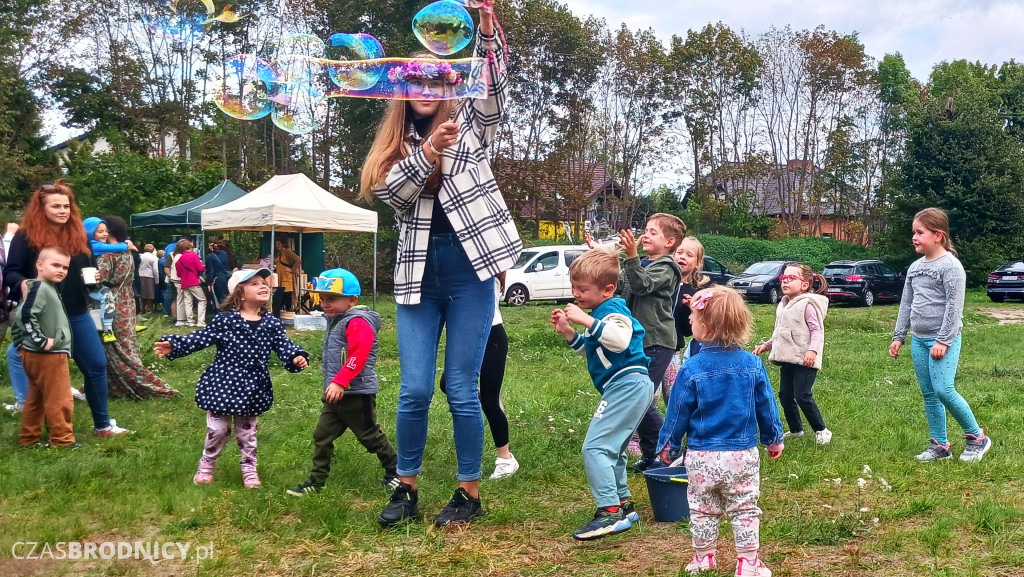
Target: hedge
739 253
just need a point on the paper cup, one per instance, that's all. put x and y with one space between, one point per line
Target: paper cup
89 275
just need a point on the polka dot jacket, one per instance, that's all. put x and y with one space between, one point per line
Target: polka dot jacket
238 381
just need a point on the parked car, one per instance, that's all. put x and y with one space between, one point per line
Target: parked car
760 281
541 273
1006 282
863 281
716 271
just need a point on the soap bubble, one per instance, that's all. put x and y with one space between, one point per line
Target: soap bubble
443 27
357 48
180 20
238 87
295 58
304 112
425 79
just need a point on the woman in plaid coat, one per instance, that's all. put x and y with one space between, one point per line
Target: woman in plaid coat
455 235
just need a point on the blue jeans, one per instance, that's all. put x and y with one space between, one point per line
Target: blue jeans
452 297
936 381
19 380
89 356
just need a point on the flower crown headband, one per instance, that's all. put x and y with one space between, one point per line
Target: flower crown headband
416 71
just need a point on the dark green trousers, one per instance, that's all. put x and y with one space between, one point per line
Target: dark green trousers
358 413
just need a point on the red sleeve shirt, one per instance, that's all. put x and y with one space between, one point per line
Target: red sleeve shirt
360 337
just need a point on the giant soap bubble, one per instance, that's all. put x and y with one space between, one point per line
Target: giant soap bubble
304 112
352 58
239 88
443 27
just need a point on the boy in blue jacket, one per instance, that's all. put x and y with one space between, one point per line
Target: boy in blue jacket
614 346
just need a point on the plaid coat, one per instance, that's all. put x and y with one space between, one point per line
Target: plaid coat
468 194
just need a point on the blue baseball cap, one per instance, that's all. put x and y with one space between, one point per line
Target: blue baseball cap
337 281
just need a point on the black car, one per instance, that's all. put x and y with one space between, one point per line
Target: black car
1007 282
760 281
863 281
716 271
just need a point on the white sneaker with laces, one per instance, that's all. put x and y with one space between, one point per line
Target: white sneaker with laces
791 434
753 568
505 467
78 395
823 437
15 408
111 430
698 564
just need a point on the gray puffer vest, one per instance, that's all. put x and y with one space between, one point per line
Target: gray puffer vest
336 351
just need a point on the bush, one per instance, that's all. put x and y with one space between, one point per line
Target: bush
354 251
739 253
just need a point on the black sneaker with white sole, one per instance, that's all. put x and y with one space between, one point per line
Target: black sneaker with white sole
307 486
461 509
403 506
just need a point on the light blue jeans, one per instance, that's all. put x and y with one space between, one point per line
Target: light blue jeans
19 380
936 381
624 402
454 298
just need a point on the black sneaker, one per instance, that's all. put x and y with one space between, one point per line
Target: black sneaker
403 506
461 509
390 481
645 463
307 486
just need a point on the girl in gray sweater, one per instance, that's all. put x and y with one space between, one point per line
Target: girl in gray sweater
933 305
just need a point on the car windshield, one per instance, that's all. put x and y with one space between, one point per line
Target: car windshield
836 269
1013 267
524 258
764 268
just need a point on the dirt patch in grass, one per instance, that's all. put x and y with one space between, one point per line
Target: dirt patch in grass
1005 316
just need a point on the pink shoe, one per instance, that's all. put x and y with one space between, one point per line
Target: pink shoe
753 568
633 448
698 564
203 477
251 480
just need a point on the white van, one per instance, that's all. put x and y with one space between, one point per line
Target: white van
542 273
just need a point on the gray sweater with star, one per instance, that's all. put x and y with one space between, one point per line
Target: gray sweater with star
933 300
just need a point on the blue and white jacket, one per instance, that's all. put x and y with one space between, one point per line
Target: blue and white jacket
614 346
721 400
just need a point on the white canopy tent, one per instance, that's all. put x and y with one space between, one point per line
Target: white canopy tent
293 203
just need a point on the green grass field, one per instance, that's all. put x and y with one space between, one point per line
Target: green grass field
938 519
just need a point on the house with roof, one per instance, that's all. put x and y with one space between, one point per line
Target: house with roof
581 192
787 193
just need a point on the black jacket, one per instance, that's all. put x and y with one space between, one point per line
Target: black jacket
21 265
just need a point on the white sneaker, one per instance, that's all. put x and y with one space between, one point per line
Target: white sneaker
823 437
78 395
111 430
756 568
181 324
505 467
791 434
697 564
15 408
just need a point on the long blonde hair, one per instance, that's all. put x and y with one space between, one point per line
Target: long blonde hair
388 146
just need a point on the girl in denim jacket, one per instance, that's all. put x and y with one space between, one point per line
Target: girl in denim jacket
723 403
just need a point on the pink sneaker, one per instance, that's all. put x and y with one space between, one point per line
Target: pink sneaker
698 564
251 480
633 448
203 477
753 568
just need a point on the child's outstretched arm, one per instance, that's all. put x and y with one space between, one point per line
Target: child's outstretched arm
174 346
294 357
768 423
681 405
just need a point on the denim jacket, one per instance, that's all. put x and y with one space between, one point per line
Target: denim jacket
720 400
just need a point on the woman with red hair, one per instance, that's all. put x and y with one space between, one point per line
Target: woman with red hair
52 218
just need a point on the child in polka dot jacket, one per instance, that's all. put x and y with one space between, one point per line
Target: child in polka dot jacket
236 387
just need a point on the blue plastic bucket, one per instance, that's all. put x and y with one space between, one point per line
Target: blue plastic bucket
667 488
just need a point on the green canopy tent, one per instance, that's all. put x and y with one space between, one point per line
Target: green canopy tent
187 215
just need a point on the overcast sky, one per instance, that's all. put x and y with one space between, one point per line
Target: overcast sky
924 31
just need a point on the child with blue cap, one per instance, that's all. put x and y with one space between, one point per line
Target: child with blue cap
350 381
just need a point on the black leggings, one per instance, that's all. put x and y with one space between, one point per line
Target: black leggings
795 382
492 373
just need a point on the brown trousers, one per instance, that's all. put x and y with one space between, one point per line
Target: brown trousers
49 398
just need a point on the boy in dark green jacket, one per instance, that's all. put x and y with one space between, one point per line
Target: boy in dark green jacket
648 292
42 334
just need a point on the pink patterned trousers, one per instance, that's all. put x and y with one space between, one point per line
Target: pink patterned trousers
724 482
218 434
